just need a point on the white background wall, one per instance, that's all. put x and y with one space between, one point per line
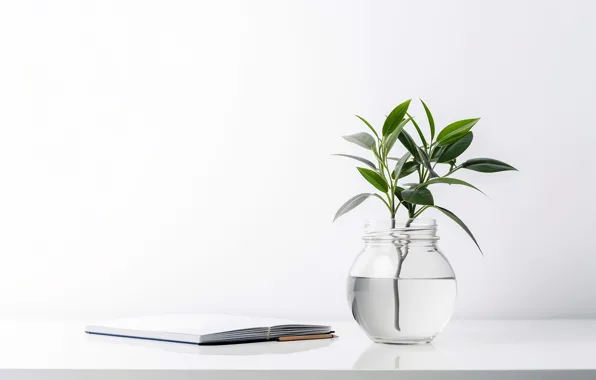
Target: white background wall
174 156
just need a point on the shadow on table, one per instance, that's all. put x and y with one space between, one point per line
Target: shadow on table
261 348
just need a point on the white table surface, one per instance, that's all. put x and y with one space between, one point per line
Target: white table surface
541 349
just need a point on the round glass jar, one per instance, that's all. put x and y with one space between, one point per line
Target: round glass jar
401 288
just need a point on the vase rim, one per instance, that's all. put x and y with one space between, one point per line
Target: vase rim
402 221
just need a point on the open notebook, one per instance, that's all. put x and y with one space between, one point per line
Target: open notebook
205 329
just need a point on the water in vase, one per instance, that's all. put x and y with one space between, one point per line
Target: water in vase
401 310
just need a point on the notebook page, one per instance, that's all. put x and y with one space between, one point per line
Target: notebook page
192 324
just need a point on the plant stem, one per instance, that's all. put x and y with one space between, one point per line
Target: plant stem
384 168
384 201
420 211
453 171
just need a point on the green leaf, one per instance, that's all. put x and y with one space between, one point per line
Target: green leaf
437 153
453 150
392 138
426 162
369 126
399 165
455 131
460 223
449 181
419 155
420 134
395 117
398 191
431 121
486 165
351 204
363 160
421 196
363 139
375 179
409 168
407 205
411 185
408 142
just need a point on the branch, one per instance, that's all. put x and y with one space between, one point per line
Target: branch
453 171
384 201
420 211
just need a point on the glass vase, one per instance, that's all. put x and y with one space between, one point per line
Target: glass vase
401 288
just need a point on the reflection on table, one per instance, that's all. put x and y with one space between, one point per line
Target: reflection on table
388 356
